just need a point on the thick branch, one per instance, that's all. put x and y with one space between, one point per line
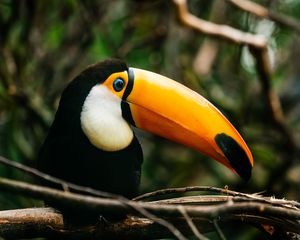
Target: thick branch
254 211
81 189
45 222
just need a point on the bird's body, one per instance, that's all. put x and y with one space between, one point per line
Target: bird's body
90 142
68 154
71 157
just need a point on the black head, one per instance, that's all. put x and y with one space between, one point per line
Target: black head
75 93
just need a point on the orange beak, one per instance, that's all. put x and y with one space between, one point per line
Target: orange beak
167 108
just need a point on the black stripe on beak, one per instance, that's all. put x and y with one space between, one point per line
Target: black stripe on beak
129 86
235 154
126 113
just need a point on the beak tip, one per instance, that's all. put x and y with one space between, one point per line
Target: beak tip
236 155
246 175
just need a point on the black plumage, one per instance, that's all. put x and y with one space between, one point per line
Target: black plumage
90 116
68 154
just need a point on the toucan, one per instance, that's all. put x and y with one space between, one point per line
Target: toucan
91 141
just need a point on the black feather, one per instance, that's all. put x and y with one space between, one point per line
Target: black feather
68 154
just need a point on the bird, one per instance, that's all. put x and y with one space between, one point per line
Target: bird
91 141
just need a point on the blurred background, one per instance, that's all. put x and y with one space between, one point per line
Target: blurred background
45 44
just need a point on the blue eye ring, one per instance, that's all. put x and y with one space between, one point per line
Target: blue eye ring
118 84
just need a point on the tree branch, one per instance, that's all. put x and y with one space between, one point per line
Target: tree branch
238 196
49 178
248 212
191 224
220 31
258 45
94 192
46 222
234 205
259 49
262 12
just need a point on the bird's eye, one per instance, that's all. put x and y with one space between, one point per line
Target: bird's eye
118 84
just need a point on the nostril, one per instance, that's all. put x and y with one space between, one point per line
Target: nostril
235 154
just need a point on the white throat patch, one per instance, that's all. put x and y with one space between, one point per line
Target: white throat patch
102 121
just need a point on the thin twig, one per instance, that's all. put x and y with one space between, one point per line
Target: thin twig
46 222
106 205
184 190
142 210
218 230
68 185
262 12
47 177
259 49
258 45
217 199
224 191
221 31
251 212
191 224
263 68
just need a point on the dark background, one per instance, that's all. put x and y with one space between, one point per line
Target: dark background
45 44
